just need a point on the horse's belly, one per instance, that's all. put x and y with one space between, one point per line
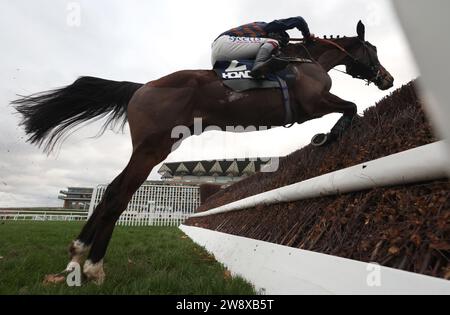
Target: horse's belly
255 107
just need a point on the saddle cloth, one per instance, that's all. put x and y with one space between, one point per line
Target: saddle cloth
235 75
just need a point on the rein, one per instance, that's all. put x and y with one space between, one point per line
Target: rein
329 42
354 60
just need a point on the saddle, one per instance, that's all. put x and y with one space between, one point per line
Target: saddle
236 75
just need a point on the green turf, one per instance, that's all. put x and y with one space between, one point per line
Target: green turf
140 260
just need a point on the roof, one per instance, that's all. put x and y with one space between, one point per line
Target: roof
228 168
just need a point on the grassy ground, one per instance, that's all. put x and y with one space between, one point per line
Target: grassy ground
140 260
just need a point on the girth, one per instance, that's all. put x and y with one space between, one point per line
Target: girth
236 76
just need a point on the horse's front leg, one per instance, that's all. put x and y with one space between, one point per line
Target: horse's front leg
334 104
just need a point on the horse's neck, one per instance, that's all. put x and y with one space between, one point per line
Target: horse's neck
327 55
332 58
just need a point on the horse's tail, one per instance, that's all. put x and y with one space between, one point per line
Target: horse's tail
48 116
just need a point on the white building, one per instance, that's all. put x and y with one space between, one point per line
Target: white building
156 203
175 198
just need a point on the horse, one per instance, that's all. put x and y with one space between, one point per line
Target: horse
154 109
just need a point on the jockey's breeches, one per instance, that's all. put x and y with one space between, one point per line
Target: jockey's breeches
227 48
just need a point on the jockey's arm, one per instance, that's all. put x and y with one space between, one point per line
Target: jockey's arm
288 24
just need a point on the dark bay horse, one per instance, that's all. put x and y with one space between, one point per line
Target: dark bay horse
154 109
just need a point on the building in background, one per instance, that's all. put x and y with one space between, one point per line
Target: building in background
156 203
174 198
224 172
77 198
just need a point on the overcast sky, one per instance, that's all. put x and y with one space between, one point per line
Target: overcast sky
141 41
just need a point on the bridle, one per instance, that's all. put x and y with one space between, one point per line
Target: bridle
358 69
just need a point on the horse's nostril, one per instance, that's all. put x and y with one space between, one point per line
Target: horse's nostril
391 81
385 83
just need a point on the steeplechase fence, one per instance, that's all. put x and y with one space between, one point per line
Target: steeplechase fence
276 269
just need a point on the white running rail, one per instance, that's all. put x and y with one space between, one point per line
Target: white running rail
28 215
274 269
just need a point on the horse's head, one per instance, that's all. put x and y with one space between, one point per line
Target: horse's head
365 64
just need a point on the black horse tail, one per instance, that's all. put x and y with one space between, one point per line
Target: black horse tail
48 116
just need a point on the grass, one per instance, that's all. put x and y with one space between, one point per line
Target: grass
42 209
140 260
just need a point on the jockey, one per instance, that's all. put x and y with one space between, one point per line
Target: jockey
257 41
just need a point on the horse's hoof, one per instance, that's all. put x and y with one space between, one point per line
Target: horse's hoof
94 272
54 279
320 139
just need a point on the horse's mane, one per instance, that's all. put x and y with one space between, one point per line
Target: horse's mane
300 47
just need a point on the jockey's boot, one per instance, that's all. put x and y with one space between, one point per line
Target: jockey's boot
266 63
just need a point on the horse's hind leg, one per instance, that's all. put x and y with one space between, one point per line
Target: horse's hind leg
116 198
80 247
150 129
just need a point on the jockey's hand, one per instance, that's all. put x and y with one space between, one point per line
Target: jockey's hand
310 38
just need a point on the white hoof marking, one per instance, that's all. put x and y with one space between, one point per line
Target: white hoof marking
94 272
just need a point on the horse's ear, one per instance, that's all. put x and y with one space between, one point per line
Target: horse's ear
361 30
